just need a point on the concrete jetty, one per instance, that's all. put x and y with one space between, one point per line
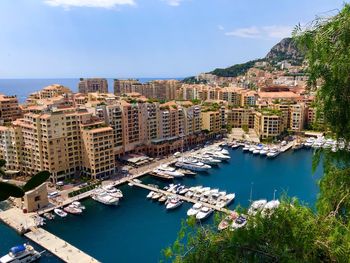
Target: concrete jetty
181 197
59 247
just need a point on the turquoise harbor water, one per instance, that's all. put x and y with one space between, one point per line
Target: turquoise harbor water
138 229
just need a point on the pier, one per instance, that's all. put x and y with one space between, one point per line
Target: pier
59 247
181 197
287 146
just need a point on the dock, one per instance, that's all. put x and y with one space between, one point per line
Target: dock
59 247
287 146
181 197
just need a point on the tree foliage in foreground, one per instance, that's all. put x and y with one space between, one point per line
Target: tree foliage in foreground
327 45
294 233
10 190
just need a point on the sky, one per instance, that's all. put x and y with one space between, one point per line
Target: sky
143 38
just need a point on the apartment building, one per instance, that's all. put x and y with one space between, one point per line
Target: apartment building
98 158
240 117
212 121
297 117
123 86
49 92
9 109
93 85
268 124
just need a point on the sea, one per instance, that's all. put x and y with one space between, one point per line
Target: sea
138 229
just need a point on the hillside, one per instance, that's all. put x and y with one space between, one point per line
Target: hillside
285 50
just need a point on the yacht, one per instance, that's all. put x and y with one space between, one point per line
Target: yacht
194 209
163 198
246 148
264 150
257 206
273 153
309 142
241 221
110 189
60 212
219 150
150 194
204 213
105 198
49 216
183 191
21 254
218 156
72 210
207 159
168 173
192 165
78 205
234 145
257 149
156 196
270 207
227 221
173 203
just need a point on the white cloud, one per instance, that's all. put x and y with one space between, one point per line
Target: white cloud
248 32
221 28
273 31
89 3
173 2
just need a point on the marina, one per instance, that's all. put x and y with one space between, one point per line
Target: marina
132 222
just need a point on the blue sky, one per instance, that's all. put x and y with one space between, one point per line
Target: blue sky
142 38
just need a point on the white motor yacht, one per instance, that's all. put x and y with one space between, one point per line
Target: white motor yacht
207 159
110 189
264 150
173 203
150 194
194 209
273 153
246 148
21 254
78 205
60 212
105 198
204 213
192 165
71 209
270 207
256 206
239 222
169 171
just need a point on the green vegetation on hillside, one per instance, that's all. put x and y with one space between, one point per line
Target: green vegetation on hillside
235 70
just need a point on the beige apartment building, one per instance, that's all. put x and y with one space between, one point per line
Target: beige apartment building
9 109
240 117
212 121
53 141
98 158
93 85
123 86
49 92
268 124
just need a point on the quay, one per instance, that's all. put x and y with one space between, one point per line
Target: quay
184 198
287 146
60 248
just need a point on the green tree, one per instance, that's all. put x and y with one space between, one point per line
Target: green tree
9 190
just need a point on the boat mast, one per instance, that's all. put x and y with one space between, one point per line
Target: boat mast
274 194
251 192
